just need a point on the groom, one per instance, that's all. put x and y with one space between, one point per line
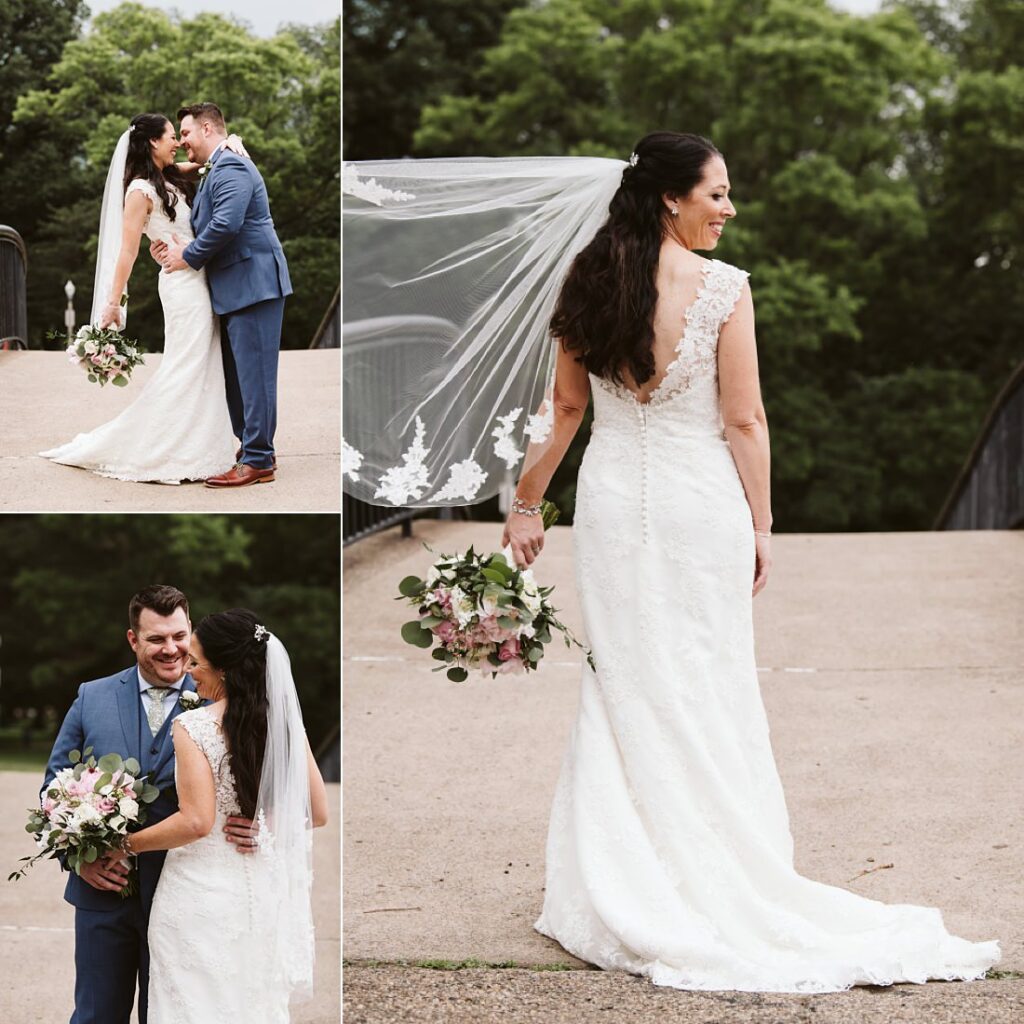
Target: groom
129 713
248 278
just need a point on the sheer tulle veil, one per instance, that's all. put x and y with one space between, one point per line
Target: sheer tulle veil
451 271
284 820
111 224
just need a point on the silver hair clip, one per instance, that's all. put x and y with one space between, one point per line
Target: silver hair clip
260 632
633 159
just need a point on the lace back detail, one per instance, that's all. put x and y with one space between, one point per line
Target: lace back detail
205 730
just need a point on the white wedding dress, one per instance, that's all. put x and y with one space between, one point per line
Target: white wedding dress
178 427
212 960
669 852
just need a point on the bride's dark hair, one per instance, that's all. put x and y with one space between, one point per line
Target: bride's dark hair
229 644
605 309
139 162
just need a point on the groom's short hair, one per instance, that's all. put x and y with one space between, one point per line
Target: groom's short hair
157 598
204 112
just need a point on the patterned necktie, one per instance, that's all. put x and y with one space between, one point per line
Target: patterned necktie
155 711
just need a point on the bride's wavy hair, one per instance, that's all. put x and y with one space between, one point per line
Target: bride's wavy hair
139 162
605 309
229 644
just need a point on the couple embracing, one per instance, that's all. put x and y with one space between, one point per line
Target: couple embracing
219 926
222 284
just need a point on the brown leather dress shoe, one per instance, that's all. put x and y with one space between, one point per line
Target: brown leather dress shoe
241 476
238 457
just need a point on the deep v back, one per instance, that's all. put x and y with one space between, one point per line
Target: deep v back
670 326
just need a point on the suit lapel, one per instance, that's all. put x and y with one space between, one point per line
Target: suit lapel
128 704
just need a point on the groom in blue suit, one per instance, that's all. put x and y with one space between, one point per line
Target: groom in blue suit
247 274
129 713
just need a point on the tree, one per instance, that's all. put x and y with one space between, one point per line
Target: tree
401 55
280 94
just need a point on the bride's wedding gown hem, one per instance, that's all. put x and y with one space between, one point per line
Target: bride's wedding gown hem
178 427
669 851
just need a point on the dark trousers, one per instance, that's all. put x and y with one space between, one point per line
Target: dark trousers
111 953
250 345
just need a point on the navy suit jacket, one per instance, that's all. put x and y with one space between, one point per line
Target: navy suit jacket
235 237
107 715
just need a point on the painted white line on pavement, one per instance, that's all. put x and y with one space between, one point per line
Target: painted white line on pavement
31 928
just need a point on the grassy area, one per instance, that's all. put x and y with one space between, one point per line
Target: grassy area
17 756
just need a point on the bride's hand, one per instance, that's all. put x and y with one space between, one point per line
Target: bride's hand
762 562
110 317
234 143
526 535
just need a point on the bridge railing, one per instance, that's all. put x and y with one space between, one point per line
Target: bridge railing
989 492
13 301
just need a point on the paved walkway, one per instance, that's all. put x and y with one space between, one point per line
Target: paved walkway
44 400
37 926
890 667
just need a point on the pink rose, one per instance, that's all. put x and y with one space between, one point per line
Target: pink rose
105 805
445 630
509 650
48 804
444 599
510 668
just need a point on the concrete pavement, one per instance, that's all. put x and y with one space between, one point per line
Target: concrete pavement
37 926
44 401
890 667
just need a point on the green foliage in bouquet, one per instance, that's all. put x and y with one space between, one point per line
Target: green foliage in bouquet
489 613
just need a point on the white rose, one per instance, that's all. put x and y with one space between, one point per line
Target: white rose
463 606
86 814
489 605
128 807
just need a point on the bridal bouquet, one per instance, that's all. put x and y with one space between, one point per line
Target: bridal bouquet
86 809
105 355
483 613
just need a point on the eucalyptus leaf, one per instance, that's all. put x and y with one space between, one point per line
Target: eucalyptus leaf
413 633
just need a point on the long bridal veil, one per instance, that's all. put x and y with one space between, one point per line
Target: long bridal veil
108 246
284 821
451 272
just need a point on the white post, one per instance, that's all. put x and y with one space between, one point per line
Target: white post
69 313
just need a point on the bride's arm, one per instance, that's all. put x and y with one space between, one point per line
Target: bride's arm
317 790
572 391
136 209
746 426
197 801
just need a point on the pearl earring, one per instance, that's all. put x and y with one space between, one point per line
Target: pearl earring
675 211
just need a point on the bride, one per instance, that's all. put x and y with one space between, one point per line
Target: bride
669 851
231 939
178 427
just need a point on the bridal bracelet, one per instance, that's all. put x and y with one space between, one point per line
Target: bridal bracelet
520 506
762 533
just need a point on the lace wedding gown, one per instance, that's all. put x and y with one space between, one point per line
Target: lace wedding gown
669 852
178 427
210 958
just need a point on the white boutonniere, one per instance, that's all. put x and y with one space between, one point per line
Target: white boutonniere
203 171
189 700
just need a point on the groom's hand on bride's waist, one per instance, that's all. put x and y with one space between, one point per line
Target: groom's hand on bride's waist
240 832
157 250
172 258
